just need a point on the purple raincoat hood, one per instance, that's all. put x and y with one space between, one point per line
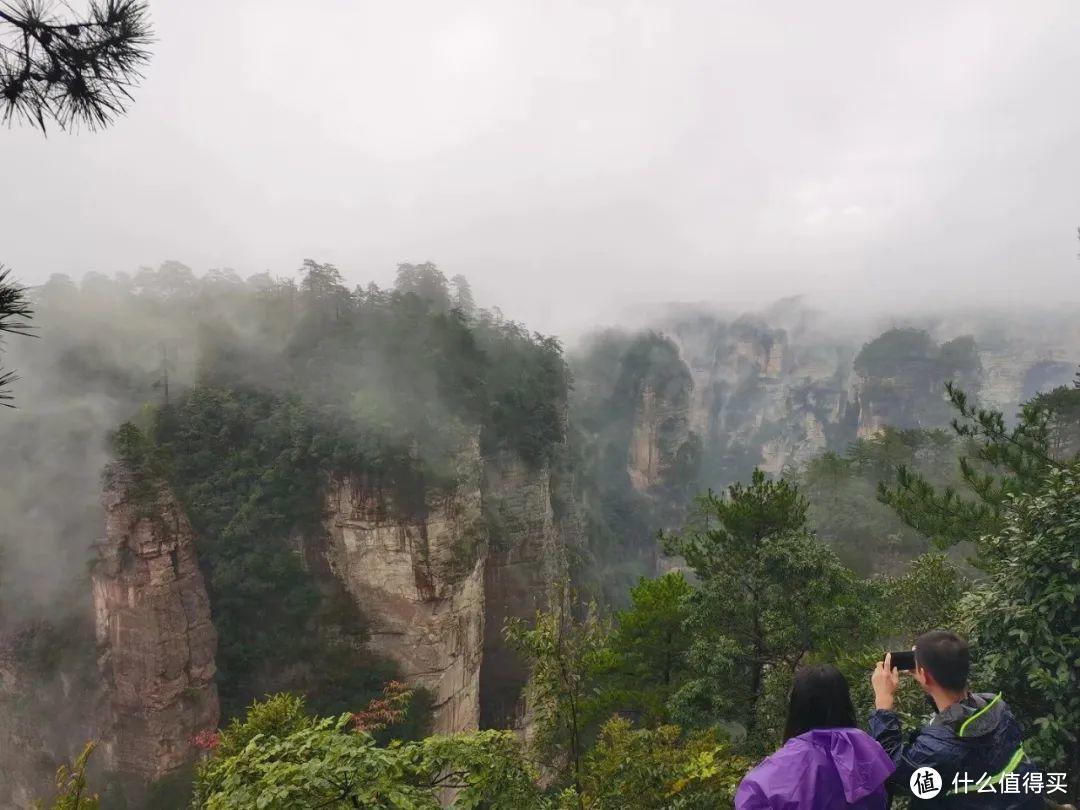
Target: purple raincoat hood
824 769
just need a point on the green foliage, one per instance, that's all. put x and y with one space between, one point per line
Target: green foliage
907 352
646 661
881 453
297 383
15 316
277 716
318 380
325 765
651 361
922 598
419 371
487 768
279 757
842 492
1023 621
578 676
564 656
769 594
959 357
425 281
1063 405
891 353
527 386
1008 461
727 531
72 792
136 453
365 378
659 768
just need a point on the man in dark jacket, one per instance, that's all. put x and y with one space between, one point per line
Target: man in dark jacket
973 741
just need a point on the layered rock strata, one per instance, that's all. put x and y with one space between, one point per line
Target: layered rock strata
152 618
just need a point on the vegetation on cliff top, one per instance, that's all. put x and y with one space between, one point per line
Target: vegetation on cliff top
904 371
362 380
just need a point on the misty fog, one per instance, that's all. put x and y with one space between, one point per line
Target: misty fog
629 152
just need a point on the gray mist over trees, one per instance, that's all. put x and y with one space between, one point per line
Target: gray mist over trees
107 348
111 349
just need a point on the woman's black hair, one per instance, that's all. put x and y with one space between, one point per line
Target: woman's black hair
820 698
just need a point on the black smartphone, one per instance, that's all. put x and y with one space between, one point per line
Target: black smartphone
903 660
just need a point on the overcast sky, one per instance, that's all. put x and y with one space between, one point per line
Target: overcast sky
570 157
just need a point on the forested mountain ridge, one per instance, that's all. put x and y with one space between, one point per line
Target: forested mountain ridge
368 474
699 400
368 485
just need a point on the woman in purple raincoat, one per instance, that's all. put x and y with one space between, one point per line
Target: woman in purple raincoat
825 763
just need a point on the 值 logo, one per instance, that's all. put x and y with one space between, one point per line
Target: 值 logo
925 783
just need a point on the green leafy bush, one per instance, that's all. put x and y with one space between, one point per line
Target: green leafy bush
1023 621
281 757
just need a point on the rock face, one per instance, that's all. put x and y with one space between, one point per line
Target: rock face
46 715
660 430
153 622
647 416
776 390
901 377
758 399
436 581
419 581
771 391
533 521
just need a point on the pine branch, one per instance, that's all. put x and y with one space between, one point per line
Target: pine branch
15 314
68 71
1019 460
15 310
946 518
1029 438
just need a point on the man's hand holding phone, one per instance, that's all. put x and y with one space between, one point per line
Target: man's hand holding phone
885 680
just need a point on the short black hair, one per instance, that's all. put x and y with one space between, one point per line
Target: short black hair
820 698
945 656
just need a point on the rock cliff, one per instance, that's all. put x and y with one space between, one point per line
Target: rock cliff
435 579
700 400
153 624
51 700
659 433
418 579
437 582
758 398
533 521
